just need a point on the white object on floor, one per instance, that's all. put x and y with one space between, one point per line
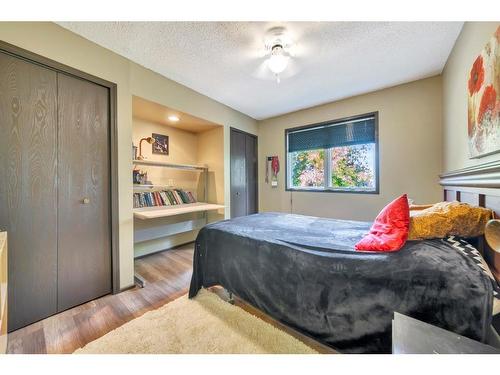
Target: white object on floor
203 325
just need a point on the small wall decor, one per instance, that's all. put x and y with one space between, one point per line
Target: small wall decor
274 162
161 144
483 90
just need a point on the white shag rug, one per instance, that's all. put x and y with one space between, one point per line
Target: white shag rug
203 325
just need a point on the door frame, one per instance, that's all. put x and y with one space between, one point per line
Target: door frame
231 130
34 58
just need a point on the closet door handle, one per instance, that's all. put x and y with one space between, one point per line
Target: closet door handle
85 200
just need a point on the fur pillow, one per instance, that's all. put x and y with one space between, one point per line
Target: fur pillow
447 219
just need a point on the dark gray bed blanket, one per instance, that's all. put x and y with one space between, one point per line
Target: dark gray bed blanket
304 272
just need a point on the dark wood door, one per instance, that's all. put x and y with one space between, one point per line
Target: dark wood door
251 173
28 187
84 253
238 174
243 154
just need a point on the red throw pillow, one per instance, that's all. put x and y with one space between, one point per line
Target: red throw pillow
389 232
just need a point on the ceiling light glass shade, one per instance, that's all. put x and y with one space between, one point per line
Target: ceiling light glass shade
278 61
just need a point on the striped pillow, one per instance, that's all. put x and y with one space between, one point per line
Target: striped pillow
472 253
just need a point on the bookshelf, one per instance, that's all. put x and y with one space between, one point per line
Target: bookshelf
156 222
145 213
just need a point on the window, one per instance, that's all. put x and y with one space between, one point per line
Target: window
337 156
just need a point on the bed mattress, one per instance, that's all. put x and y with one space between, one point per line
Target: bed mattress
304 272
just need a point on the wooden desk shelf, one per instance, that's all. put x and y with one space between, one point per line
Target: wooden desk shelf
146 213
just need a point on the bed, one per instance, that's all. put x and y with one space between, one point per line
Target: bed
304 272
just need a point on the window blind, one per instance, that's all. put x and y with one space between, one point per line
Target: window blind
347 133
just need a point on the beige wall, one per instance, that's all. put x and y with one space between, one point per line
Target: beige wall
183 145
56 43
410 151
183 150
468 46
211 153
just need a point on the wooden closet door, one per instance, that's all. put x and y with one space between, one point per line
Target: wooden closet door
28 191
84 235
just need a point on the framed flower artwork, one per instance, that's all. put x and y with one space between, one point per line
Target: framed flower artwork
483 91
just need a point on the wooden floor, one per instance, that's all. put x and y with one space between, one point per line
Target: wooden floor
167 276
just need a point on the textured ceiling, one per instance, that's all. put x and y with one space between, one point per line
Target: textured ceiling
333 60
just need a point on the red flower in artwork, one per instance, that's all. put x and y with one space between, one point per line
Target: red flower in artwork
476 76
488 101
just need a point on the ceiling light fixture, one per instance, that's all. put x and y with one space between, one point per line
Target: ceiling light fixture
278 61
173 118
278 43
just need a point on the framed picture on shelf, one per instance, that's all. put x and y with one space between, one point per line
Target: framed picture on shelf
161 144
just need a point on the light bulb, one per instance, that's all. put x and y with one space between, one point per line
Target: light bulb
278 61
173 118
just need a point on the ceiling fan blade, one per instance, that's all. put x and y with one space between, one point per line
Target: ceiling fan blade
292 69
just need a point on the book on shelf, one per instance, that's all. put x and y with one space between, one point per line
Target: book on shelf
160 198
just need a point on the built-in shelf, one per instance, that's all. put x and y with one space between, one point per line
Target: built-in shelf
170 165
145 213
146 228
153 186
